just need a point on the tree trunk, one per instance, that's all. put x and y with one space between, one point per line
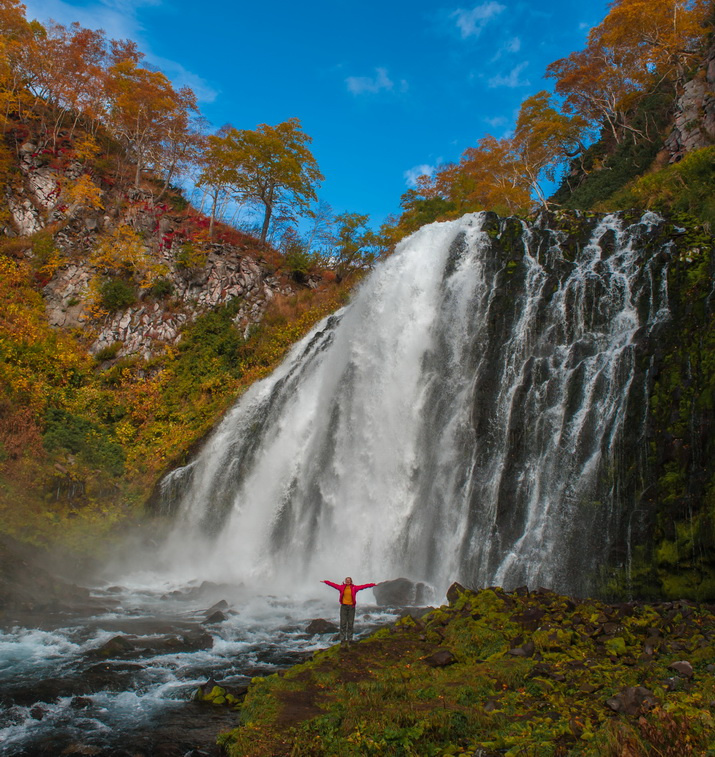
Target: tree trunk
268 201
214 203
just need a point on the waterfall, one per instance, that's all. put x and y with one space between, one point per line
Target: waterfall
473 414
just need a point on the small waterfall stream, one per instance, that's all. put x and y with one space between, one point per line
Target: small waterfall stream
467 417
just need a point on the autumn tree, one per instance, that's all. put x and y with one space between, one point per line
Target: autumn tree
217 169
354 245
544 138
273 167
144 107
488 177
19 40
74 73
637 45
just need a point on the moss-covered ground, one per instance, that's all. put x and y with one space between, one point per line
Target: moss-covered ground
497 673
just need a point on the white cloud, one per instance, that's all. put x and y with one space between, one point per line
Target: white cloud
512 79
509 48
496 121
513 45
412 174
120 20
471 23
381 82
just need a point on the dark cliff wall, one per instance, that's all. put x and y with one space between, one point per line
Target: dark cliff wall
667 542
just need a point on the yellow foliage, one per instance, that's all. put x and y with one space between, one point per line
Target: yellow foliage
84 193
86 147
121 253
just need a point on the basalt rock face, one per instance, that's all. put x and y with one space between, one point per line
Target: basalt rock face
694 118
229 272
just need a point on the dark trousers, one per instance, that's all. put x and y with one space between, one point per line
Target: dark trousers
347 618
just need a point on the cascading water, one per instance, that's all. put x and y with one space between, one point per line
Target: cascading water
466 417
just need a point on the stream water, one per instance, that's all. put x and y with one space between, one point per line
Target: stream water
62 696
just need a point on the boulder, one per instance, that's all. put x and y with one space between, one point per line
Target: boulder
186 642
526 650
633 701
321 626
454 592
215 617
119 645
440 659
683 668
213 692
401 592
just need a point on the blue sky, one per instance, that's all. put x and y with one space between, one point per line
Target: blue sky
385 89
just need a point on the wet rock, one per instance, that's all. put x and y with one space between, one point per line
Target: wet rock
321 626
222 604
47 690
530 619
80 750
454 592
633 701
80 703
216 617
188 642
213 692
440 659
115 647
108 676
37 712
401 592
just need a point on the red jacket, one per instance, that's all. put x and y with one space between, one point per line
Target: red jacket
352 588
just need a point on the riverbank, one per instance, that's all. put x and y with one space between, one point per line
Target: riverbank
495 673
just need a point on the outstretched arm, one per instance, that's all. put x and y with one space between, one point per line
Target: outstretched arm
330 583
364 586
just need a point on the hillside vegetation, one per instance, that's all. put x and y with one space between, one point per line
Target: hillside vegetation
130 320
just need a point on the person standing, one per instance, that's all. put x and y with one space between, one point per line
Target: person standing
348 591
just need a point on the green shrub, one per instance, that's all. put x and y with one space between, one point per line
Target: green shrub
109 352
606 167
685 188
176 199
189 258
43 247
161 289
116 294
299 261
210 344
80 436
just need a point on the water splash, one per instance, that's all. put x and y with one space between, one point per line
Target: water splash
468 416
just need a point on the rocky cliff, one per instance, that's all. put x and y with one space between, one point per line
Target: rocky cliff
221 271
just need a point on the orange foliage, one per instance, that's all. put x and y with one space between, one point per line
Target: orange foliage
637 45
